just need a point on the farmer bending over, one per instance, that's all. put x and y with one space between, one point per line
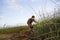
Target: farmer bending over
30 21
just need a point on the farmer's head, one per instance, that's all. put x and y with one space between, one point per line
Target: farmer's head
33 17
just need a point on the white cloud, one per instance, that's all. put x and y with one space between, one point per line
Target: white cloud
11 1
35 0
58 3
13 5
32 0
1 17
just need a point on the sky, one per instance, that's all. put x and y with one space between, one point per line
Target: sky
17 12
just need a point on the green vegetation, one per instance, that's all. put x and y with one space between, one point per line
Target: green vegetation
1 39
13 30
44 26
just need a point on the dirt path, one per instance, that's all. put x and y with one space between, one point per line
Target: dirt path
23 35
5 35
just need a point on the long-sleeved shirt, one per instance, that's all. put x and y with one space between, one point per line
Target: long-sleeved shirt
30 21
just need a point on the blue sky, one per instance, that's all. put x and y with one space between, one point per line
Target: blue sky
14 12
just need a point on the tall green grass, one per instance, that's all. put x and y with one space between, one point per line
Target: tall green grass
13 29
41 27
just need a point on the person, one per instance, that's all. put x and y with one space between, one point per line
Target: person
30 21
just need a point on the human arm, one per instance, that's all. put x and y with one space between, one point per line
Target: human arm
35 21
